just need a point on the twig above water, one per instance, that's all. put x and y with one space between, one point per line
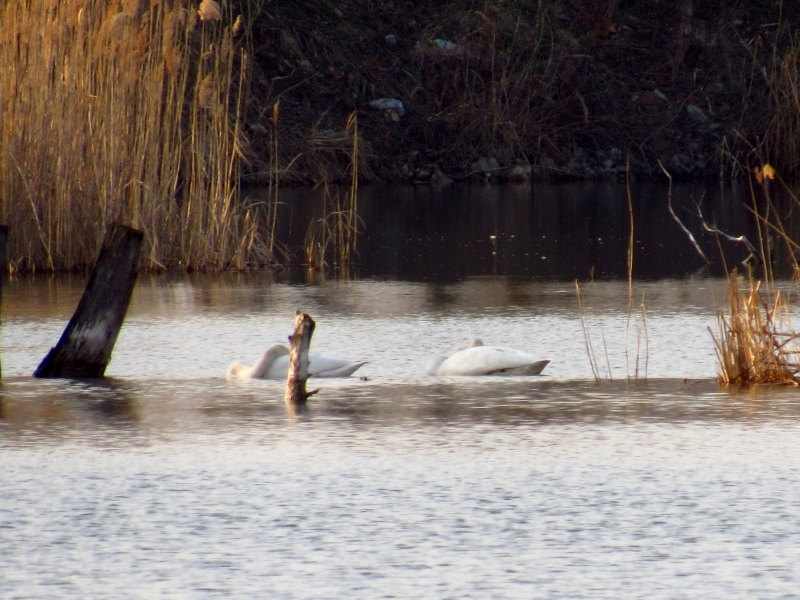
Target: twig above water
678 221
586 338
716 231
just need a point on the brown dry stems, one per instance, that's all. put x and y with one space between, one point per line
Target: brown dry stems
123 112
587 339
642 333
756 343
339 223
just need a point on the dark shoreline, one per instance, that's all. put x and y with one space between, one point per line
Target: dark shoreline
523 90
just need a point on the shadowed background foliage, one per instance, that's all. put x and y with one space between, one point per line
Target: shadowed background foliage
152 113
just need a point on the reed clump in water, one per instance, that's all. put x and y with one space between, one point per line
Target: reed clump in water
337 228
756 343
124 111
639 320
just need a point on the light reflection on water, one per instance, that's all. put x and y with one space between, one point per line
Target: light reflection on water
195 328
167 480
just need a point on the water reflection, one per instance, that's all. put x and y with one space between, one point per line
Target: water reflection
561 232
193 327
109 399
168 480
26 403
32 411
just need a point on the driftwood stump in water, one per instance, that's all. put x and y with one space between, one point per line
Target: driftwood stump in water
296 394
84 349
3 256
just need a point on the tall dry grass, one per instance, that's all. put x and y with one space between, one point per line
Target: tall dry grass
779 70
124 111
637 317
335 231
756 342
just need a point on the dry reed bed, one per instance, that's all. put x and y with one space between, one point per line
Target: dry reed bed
756 342
123 111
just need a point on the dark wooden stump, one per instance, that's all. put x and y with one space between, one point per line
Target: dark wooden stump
3 256
296 394
84 349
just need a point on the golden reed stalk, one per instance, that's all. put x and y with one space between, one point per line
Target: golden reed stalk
123 111
339 223
756 343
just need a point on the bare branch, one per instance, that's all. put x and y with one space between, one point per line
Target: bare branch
716 231
678 221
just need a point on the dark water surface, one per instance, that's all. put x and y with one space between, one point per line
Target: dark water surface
167 481
563 232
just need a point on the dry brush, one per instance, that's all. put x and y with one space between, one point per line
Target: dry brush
124 111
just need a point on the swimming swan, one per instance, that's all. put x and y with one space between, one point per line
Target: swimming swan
478 359
275 365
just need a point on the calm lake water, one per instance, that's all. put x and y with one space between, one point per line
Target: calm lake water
165 480
562 232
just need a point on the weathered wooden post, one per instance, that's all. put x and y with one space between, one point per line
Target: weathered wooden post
3 256
84 349
300 342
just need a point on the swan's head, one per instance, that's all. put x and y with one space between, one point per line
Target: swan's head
474 343
236 371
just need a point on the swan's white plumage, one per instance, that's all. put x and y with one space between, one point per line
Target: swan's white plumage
478 359
274 364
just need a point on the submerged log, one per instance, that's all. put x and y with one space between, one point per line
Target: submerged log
3 256
84 349
296 394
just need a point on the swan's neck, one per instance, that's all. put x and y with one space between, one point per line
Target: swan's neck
270 356
433 366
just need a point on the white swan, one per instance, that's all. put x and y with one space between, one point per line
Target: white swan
478 359
275 365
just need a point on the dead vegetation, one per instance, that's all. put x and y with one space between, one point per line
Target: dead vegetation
334 233
126 112
756 342
139 111
637 317
499 78
779 144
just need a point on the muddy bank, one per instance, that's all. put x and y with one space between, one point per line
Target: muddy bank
523 89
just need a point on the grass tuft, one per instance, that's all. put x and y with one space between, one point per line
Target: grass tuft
756 342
